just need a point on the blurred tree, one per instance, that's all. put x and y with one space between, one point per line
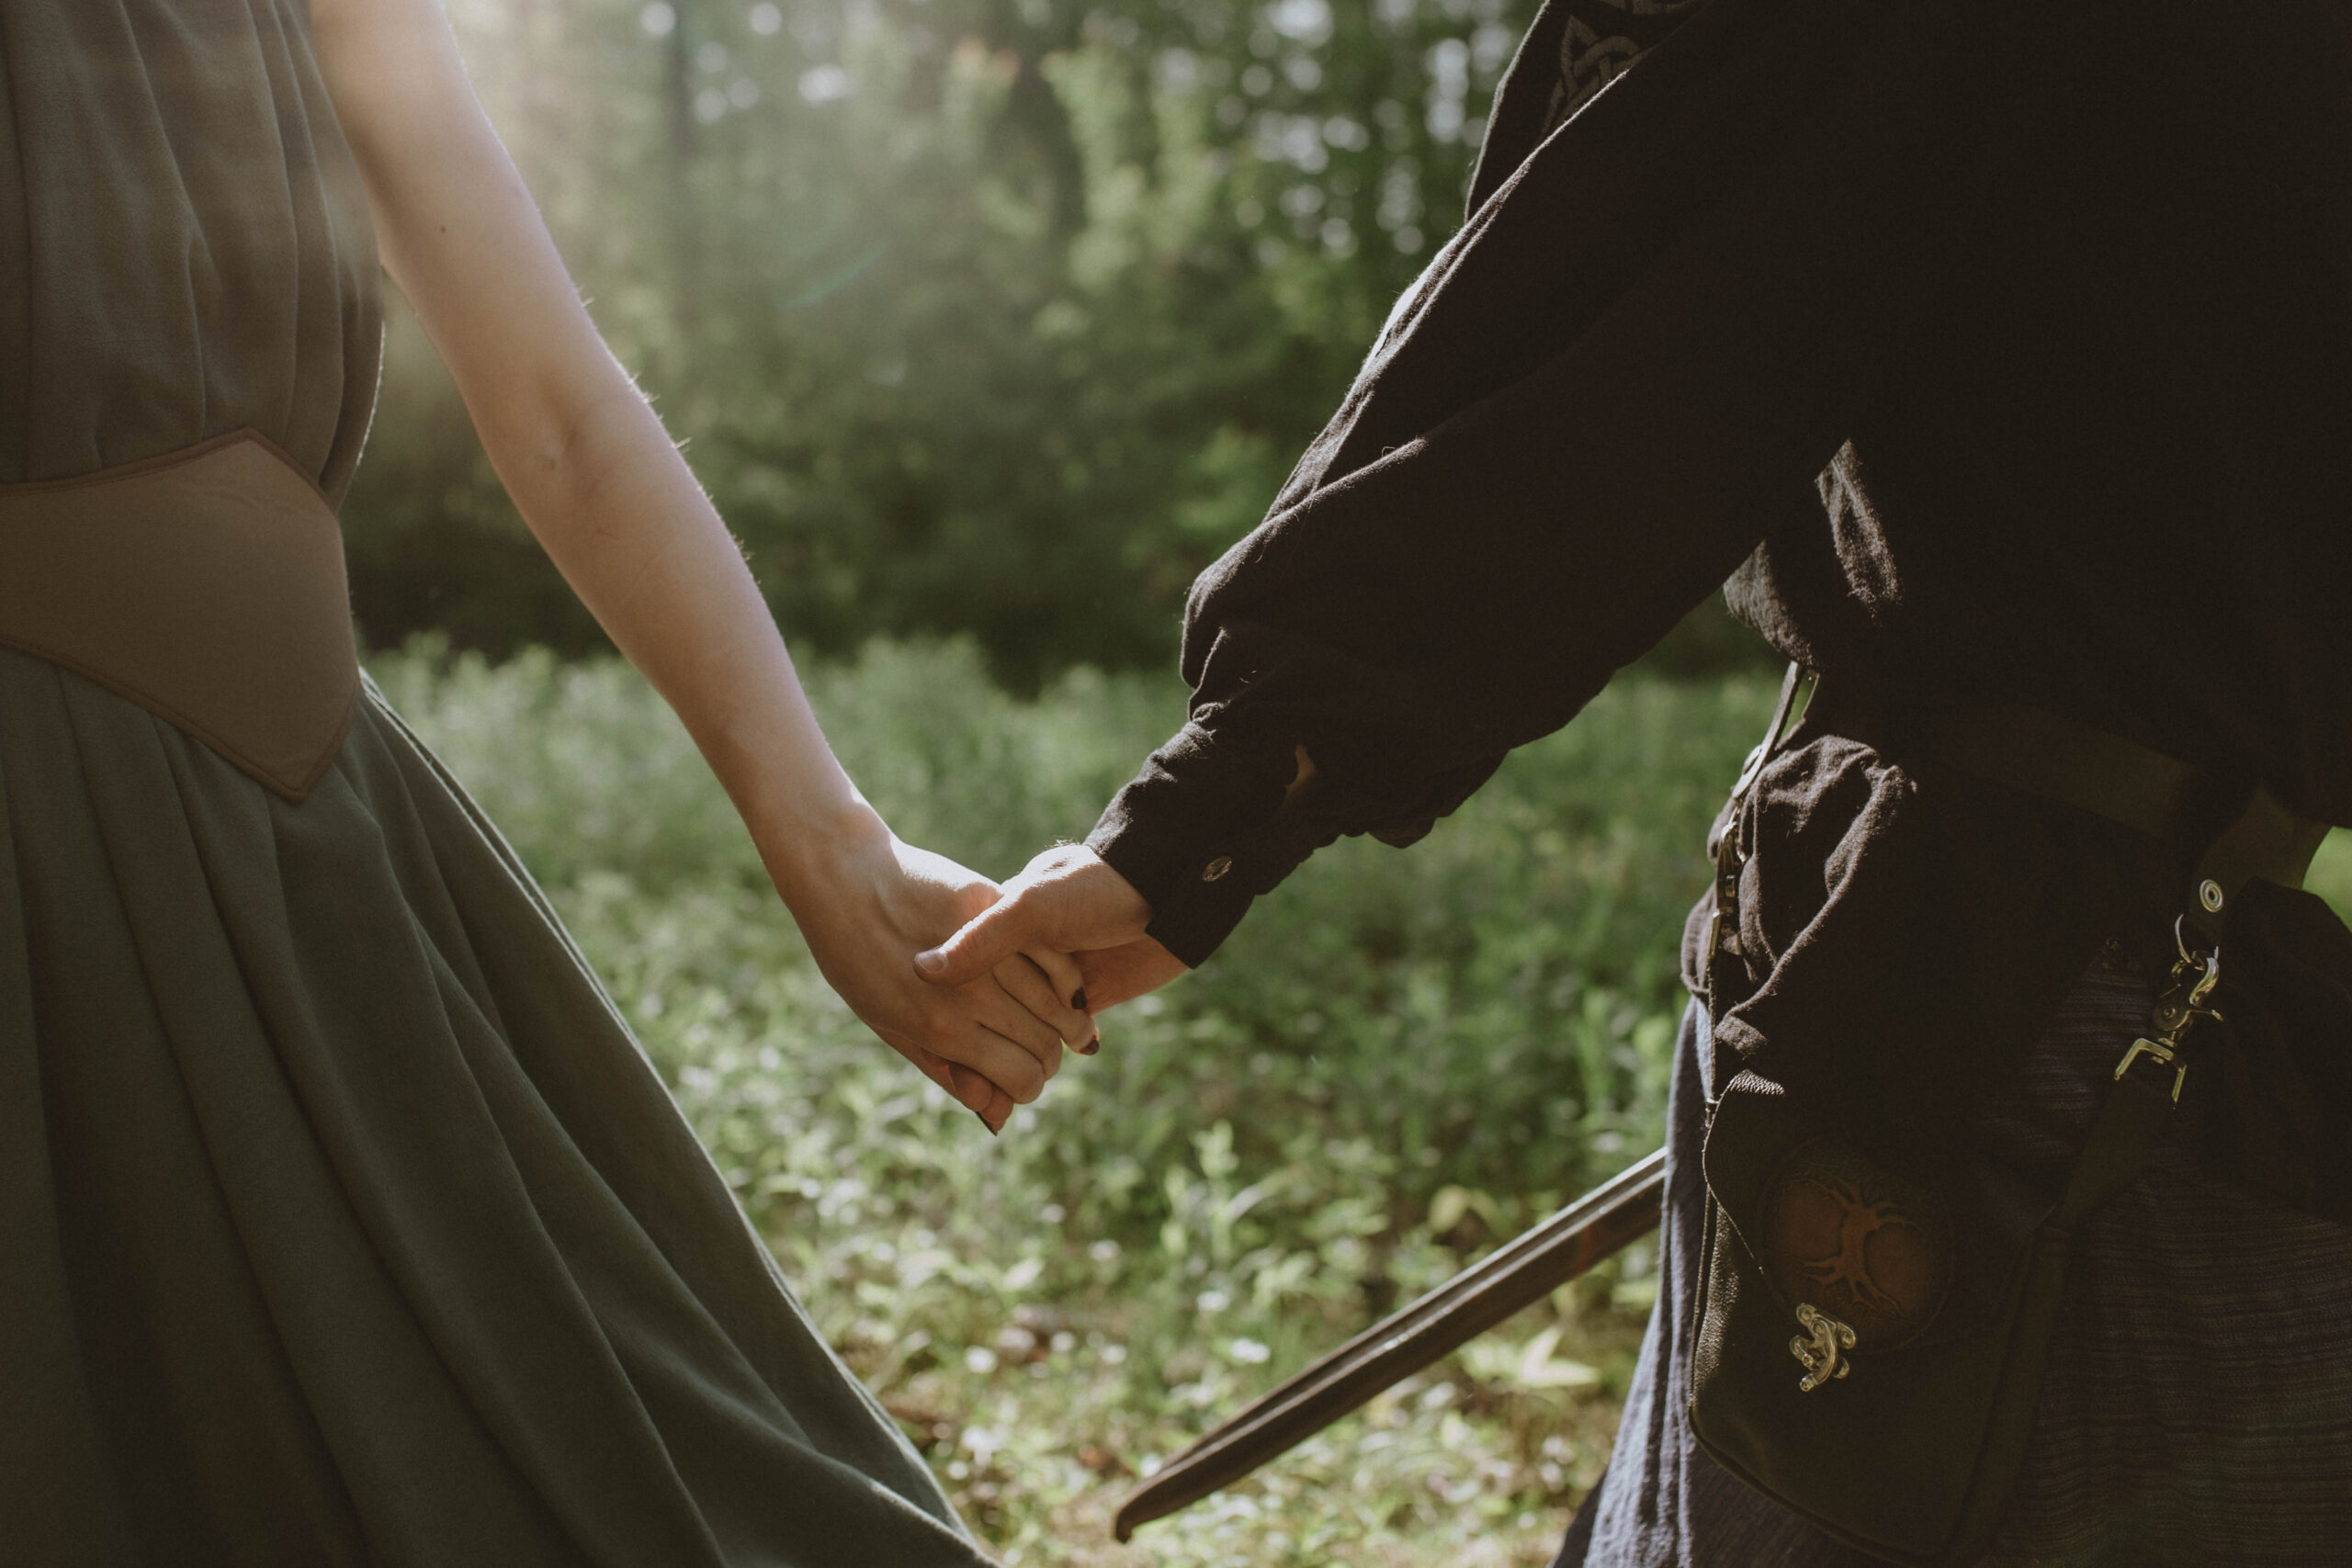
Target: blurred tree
995 317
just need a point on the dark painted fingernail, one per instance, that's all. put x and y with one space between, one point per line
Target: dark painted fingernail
1078 998
985 1123
1092 1046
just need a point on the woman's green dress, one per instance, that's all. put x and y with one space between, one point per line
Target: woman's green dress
341 1220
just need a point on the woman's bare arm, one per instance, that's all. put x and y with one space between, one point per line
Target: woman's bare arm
601 486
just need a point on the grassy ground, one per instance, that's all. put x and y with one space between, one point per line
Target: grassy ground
1400 1059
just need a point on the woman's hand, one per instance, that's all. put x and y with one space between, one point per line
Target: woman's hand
596 477
1068 900
866 902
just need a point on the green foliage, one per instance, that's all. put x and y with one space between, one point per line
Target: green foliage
1400 1059
2331 873
980 318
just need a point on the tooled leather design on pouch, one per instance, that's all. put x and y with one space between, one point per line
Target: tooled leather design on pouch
1862 1243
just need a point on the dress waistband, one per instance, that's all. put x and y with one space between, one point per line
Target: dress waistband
205 585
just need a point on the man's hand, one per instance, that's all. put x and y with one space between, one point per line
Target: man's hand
1066 900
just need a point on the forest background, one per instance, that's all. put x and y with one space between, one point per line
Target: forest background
988 324
986 317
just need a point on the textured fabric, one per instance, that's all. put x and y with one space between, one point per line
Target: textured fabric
1631 359
207 586
345 1222
1998 356
185 248
2198 1408
342 1222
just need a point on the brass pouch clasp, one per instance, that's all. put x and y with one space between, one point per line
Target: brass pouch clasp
1821 1349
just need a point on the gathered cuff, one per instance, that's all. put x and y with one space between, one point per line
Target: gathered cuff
1200 833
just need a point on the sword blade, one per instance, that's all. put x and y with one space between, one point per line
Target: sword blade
1594 1227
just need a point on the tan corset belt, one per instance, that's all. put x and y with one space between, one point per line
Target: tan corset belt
205 585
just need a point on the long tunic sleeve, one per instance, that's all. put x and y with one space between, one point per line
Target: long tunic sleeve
2006 354
1634 360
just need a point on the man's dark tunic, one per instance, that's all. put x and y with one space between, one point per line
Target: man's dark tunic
1997 352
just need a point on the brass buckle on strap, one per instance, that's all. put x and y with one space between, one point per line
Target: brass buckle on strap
1723 845
2163 1055
2181 1003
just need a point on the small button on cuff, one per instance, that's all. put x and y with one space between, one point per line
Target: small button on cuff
1216 870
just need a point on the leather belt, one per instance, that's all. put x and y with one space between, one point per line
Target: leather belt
2233 830
2229 829
205 585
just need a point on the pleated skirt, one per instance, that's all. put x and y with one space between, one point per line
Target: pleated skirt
343 1221
2198 1406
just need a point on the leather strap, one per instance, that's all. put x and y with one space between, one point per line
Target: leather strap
2172 802
2044 754
2175 804
207 586
2121 1139
1723 846
2265 839
2229 831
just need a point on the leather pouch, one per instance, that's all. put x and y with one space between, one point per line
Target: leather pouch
1901 1439
1870 1335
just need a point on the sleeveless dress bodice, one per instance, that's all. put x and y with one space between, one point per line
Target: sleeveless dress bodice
342 1220
185 247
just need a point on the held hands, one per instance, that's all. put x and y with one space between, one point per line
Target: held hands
993 1036
1067 900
